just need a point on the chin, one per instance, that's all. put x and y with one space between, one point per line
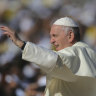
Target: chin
57 49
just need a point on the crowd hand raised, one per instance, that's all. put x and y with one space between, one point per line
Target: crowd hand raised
12 36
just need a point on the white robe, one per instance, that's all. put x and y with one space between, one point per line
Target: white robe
70 71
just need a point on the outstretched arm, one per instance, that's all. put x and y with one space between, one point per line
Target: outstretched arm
43 57
11 35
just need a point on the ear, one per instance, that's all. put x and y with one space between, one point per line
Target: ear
70 36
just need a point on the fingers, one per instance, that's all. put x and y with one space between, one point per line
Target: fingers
9 35
4 28
7 30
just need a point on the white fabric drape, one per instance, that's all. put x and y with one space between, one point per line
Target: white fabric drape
70 71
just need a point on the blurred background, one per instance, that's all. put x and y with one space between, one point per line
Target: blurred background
32 20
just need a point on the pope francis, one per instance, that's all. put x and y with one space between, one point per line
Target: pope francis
71 69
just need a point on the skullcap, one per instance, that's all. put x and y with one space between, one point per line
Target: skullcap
66 21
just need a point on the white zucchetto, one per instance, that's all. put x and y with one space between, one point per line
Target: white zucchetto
66 21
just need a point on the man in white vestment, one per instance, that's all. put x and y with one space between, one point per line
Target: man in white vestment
71 69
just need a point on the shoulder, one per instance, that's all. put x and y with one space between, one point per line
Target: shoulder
74 49
80 45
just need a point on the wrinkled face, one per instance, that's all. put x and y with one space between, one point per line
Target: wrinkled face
59 38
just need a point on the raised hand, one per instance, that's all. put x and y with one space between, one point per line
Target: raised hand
11 35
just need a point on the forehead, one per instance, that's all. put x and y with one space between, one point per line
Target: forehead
56 29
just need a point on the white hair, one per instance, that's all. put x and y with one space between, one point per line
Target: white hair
75 30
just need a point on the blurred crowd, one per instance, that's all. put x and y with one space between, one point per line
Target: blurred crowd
31 21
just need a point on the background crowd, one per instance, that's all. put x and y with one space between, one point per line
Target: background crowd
31 20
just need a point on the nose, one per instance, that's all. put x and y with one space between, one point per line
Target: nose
52 41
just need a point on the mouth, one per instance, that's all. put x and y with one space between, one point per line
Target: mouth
56 46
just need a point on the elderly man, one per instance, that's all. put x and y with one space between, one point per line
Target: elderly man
66 67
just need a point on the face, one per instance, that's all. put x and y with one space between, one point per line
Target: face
59 38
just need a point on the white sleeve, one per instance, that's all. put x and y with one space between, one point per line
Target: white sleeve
57 64
46 59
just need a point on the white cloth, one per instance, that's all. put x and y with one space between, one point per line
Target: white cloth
66 69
